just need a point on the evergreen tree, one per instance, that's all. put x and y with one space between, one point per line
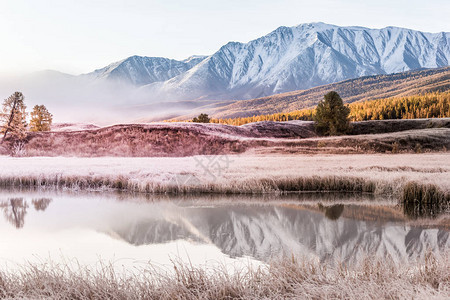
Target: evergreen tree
41 119
13 117
331 117
202 118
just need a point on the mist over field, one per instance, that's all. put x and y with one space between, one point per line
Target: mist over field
71 98
287 59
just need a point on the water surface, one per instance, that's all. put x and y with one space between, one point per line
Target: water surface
92 227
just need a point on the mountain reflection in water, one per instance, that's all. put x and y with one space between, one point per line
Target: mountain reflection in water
264 232
259 230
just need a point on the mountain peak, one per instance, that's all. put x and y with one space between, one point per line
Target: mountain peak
305 56
286 59
142 70
316 25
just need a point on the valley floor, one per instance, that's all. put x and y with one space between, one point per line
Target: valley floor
188 139
391 176
380 174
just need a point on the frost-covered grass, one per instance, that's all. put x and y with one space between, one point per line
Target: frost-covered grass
371 278
187 139
386 175
57 127
390 176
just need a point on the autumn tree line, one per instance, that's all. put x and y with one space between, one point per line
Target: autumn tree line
331 116
13 118
429 105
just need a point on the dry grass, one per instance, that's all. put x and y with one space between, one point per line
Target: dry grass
185 139
371 278
385 175
408 141
130 141
411 192
426 194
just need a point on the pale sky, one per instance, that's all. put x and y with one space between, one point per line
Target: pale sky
78 36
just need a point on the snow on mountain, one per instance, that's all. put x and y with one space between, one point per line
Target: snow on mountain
287 59
141 70
301 57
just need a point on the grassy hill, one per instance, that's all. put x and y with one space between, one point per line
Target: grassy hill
430 105
363 88
185 139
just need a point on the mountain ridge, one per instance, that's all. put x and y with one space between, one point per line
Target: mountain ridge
304 56
141 70
285 60
351 90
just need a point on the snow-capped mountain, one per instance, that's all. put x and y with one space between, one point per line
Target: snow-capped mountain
301 57
287 59
141 70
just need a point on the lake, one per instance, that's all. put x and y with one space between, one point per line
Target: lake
126 230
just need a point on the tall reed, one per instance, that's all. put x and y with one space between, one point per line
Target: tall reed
288 278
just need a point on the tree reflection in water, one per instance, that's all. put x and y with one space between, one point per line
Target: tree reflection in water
332 212
41 204
15 209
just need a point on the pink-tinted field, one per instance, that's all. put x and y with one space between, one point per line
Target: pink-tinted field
187 139
383 174
239 160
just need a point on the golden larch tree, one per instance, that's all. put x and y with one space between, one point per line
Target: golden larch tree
13 117
41 119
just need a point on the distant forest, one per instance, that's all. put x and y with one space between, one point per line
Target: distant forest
430 105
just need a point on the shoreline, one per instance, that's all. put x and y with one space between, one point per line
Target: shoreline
253 176
423 178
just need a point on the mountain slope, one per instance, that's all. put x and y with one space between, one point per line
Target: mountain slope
141 70
287 59
364 88
301 57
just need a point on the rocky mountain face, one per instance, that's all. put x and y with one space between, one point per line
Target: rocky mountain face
287 59
141 70
301 57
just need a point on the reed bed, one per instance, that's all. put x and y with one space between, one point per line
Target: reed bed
256 186
405 177
416 198
288 278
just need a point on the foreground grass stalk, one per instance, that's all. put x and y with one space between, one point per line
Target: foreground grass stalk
371 278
